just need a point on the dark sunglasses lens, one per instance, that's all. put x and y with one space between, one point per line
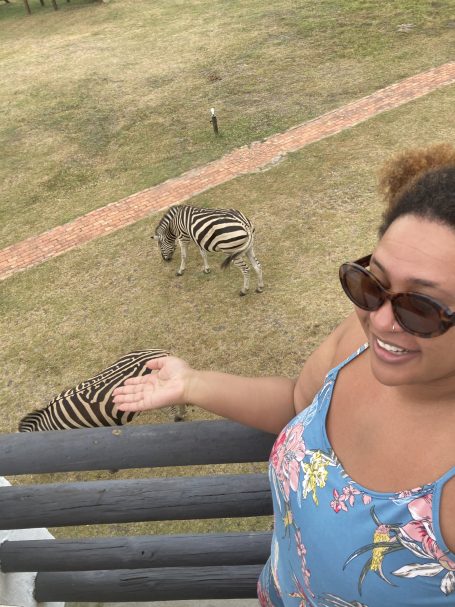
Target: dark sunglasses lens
361 288
418 315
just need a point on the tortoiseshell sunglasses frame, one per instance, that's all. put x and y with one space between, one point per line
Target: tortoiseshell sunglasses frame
445 316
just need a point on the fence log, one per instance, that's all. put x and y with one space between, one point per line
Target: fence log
149 585
184 444
156 499
148 568
140 552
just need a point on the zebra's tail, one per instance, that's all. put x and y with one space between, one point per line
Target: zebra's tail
227 262
230 258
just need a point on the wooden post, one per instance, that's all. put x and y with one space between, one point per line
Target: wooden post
214 121
27 7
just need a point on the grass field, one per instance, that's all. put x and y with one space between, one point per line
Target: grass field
70 317
104 100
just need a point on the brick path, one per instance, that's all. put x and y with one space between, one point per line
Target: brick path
247 159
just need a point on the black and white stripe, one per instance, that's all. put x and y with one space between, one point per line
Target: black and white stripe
90 403
226 231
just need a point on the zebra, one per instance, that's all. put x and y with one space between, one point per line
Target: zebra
90 403
224 230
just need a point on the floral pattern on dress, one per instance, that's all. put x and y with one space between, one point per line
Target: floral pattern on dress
300 593
417 536
286 458
315 474
348 497
330 600
266 589
287 462
296 470
263 596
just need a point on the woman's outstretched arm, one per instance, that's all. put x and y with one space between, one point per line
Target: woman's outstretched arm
266 403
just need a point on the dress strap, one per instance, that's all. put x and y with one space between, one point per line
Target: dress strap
446 477
334 372
436 506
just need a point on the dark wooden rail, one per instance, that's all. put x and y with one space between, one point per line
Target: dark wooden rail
137 552
129 501
188 444
152 568
144 585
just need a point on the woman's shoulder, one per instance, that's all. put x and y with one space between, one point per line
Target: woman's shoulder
346 339
339 345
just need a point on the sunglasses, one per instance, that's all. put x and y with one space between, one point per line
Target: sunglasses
418 314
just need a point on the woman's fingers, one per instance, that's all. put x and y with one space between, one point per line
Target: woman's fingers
143 379
156 363
127 396
136 405
130 388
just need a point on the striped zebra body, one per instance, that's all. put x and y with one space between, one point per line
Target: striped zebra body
226 231
90 403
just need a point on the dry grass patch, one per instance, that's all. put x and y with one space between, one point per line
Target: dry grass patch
103 100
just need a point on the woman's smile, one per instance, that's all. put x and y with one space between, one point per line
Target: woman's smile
391 353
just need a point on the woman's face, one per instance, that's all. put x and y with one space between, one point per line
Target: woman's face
413 255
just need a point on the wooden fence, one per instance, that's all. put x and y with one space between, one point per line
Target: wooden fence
136 568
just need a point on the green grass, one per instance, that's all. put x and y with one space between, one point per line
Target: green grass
103 100
66 319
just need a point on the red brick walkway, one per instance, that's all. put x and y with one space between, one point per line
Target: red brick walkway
258 155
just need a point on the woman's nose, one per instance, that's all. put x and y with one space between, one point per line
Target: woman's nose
384 319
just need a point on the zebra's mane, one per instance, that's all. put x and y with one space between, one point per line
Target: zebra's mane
164 221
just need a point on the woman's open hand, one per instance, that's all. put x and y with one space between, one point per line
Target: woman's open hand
165 386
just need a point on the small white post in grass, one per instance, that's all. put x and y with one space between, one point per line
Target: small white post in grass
214 121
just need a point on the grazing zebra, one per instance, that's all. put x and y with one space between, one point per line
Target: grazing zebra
224 230
90 403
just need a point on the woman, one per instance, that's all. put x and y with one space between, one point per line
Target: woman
363 470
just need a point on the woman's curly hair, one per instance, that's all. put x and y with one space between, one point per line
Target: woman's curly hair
420 182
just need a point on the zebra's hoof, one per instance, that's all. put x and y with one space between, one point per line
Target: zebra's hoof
206 271
259 289
179 273
243 293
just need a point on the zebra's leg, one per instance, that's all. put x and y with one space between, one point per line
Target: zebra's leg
183 253
257 268
179 413
243 267
206 268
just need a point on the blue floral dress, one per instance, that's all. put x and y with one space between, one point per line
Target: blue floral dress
338 544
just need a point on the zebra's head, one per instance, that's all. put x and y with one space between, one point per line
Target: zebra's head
166 238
